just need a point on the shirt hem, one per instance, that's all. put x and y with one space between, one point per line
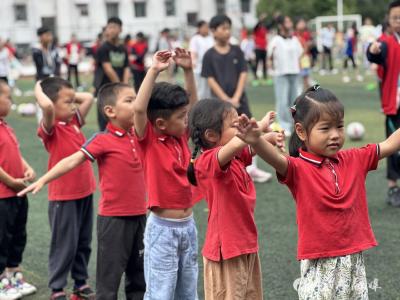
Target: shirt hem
338 252
123 214
232 255
70 197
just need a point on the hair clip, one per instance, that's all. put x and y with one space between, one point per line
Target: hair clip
315 87
293 110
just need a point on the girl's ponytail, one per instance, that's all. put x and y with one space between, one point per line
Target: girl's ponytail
294 144
190 171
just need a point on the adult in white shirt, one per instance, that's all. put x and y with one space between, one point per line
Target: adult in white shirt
5 59
285 51
199 44
327 40
367 36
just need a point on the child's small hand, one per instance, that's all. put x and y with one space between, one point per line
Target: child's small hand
266 122
183 59
29 174
161 60
34 188
277 139
18 184
248 130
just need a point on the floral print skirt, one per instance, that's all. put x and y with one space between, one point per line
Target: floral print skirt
333 278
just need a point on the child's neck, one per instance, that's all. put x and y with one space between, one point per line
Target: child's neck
117 124
222 47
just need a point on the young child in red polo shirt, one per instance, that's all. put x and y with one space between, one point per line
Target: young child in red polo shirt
230 253
71 196
328 185
386 53
122 208
170 257
14 173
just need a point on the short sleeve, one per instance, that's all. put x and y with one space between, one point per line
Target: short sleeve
367 157
290 173
95 146
207 69
246 156
242 61
208 165
103 55
43 134
78 120
145 140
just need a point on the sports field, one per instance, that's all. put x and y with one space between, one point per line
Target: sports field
275 212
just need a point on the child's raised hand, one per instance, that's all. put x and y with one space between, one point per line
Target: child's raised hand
34 188
161 60
266 122
183 58
29 175
248 130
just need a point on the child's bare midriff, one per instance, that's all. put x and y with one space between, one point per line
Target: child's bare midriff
172 213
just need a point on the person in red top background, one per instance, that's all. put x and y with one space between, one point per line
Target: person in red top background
260 33
231 263
305 39
14 173
122 209
71 196
386 53
138 51
328 186
160 117
73 57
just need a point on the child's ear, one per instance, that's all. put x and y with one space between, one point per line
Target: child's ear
211 136
161 124
301 133
109 111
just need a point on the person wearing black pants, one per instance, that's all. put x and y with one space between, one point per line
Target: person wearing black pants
261 56
120 250
73 68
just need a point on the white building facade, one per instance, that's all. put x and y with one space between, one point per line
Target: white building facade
85 18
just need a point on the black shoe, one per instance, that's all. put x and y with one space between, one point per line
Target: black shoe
393 197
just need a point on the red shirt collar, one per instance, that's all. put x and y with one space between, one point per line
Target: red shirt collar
118 131
315 159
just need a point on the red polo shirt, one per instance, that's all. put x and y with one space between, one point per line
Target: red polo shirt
64 140
166 159
120 170
10 158
231 199
331 201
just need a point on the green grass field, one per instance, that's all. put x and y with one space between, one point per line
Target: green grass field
275 212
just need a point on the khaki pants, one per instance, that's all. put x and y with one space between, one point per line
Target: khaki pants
238 278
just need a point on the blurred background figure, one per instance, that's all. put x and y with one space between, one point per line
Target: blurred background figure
73 57
327 40
305 39
137 54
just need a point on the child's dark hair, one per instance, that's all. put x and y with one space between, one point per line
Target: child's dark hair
51 86
206 114
200 24
114 20
108 94
307 110
393 4
165 99
219 20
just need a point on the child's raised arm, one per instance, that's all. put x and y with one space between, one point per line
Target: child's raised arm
184 60
250 133
160 63
62 167
47 107
85 101
390 145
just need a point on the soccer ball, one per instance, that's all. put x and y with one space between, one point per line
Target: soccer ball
355 131
26 109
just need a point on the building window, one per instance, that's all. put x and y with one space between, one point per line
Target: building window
20 12
112 10
192 19
170 8
220 7
140 9
245 5
83 10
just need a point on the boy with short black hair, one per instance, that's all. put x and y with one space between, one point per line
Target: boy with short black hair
386 53
161 117
225 68
14 173
70 197
112 64
122 208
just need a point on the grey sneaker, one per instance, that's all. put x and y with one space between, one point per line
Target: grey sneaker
393 197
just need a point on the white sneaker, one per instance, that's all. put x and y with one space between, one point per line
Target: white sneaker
18 282
259 175
346 79
7 291
360 78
